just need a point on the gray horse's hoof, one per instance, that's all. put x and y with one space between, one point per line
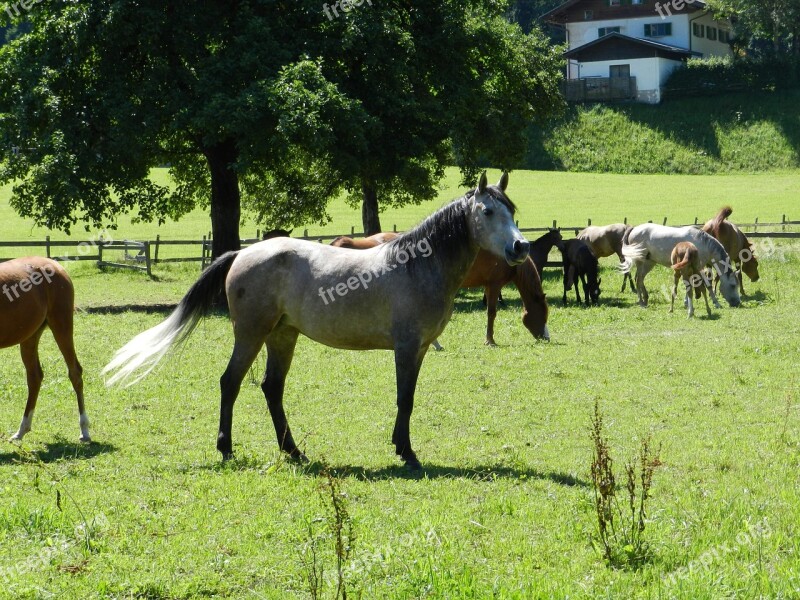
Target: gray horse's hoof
299 457
85 439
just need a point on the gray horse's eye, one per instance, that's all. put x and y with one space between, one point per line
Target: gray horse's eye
488 212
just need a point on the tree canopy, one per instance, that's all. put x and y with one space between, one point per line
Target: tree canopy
276 105
776 22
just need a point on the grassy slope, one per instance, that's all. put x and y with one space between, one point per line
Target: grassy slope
734 132
504 510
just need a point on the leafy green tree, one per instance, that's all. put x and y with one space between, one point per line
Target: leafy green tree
99 93
774 21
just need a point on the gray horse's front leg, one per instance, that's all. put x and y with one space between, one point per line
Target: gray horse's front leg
408 360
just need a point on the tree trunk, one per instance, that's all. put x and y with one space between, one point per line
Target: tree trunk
225 198
370 217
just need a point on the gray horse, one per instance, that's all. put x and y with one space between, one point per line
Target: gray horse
396 296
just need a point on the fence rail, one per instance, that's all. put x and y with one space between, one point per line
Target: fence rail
142 255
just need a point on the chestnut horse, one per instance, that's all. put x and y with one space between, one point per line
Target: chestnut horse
736 245
364 243
686 264
37 293
491 274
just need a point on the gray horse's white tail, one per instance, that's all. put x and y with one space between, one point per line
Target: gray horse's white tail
143 352
632 253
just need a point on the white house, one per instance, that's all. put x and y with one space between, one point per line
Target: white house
631 46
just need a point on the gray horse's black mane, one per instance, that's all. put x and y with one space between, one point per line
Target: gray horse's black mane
446 231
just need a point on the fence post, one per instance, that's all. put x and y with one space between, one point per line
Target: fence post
394 228
589 222
158 243
99 253
695 220
147 259
555 225
203 255
625 221
47 245
783 225
665 220
305 233
352 230
755 225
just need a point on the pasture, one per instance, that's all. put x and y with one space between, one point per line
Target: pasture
504 507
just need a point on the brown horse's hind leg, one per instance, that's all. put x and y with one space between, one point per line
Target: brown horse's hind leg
280 351
245 351
492 294
29 349
60 322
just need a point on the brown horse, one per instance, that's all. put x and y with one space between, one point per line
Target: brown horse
735 243
37 293
686 264
491 274
364 243
608 240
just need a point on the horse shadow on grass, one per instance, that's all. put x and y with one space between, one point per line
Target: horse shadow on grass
60 449
483 473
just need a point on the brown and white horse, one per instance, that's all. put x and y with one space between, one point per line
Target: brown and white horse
735 243
687 266
397 296
36 293
607 240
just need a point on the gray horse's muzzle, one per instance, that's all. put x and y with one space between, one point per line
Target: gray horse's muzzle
517 251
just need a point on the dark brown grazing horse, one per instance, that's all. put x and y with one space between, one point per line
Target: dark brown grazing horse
736 244
37 293
580 264
491 274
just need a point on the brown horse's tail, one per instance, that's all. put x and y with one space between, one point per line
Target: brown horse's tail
140 355
724 213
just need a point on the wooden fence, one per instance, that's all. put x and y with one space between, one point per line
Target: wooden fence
142 255
599 89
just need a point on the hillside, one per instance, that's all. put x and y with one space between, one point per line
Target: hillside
737 132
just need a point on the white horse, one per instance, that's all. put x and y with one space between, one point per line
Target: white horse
396 296
649 244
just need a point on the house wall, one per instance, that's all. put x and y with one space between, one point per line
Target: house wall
709 47
650 74
583 32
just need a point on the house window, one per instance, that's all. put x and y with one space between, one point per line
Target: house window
724 36
603 31
657 29
588 15
711 33
614 2
619 71
698 30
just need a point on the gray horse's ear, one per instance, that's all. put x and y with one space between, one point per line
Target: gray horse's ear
503 183
482 183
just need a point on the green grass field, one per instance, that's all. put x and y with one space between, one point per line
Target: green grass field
504 508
